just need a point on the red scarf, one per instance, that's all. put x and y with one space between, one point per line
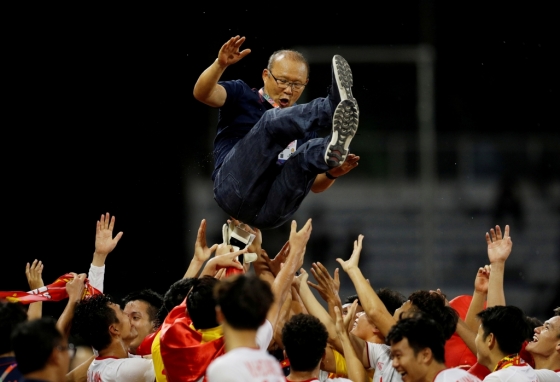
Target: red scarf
52 292
184 356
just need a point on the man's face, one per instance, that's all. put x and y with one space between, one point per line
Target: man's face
408 365
137 311
63 360
284 69
545 341
127 332
362 327
482 348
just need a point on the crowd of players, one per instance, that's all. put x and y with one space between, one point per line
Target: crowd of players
240 315
227 320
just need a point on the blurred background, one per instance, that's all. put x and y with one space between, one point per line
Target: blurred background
457 135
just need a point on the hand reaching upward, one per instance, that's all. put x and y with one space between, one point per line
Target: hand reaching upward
229 52
352 262
104 241
499 248
33 273
201 250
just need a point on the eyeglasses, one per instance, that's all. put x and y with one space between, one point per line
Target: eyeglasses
70 348
283 84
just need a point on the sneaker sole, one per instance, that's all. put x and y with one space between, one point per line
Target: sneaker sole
345 124
343 77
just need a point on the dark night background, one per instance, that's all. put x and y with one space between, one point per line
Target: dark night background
99 114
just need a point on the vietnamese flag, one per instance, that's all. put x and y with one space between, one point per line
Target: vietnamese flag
52 292
184 355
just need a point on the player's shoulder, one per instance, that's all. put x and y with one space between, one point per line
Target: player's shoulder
455 375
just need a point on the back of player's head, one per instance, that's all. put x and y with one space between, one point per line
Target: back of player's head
201 304
34 342
391 299
305 339
92 319
11 314
507 324
244 301
177 293
433 305
421 332
153 299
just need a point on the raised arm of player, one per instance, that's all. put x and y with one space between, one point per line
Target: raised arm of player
201 252
499 249
283 281
207 90
371 303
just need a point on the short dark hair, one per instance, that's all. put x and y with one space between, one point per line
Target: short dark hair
177 293
34 342
244 301
507 324
290 54
433 305
305 339
350 299
153 299
533 323
421 332
11 314
92 319
201 304
392 299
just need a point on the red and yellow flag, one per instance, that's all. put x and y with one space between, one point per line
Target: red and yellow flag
52 292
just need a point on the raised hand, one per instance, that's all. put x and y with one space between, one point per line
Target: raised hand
229 52
201 250
327 286
104 241
301 279
352 262
275 264
218 262
499 248
298 239
33 273
350 317
341 326
349 164
481 280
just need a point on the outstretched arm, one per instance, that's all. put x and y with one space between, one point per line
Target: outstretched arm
207 90
33 273
372 305
201 252
104 244
283 281
327 286
499 250
356 371
316 309
479 297
75 290
323 182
